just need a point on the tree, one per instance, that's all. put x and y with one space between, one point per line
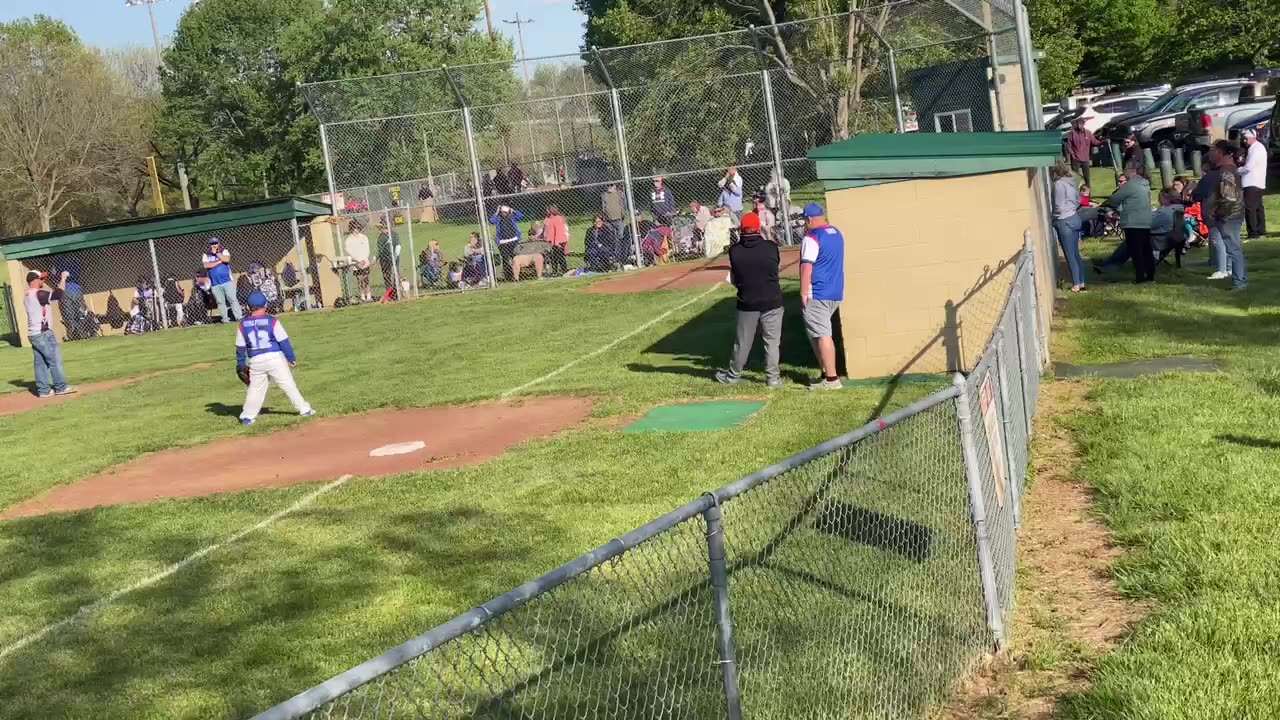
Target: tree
59 107
1057 30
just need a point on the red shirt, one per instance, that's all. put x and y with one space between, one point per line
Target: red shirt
1080 144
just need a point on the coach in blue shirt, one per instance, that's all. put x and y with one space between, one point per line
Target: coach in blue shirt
821 290
218 264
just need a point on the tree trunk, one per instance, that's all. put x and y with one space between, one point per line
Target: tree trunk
840 122
46 218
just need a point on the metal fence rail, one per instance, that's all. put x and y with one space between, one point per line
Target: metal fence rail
512 154
859 578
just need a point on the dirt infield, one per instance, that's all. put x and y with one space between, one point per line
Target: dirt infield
703 273
20 402
323 449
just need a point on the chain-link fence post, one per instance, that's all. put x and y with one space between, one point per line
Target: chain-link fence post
303 265
156 301
771 115
720 585
897 93
1006 426
413 254
1042 352
1024 367
619 129
468 133
393 248
995 77
986 564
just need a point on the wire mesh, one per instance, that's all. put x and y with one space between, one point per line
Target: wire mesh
998 495
853 584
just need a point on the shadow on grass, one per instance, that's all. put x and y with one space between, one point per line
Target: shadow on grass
225 410
28 385
1247 441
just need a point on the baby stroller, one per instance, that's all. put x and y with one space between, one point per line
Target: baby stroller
685 238
145 314
656 246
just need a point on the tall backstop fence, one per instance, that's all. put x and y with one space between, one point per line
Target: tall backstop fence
495 171
860 578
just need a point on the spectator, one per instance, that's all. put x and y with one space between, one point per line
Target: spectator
174 301
556 233
388 260
516 179
1080 145
486 182
1162 222
768 220
662 202
599 245
753 271
502 182
426 204
1086 196
1253 179
777 193
821 290
76 318
531 251
357 246
701 215
430 262
719 232
202 301
1067 223
218 264
1226 205
263 280
507 222
611 207
1133 200
51 379
1133 157
475 273
731 192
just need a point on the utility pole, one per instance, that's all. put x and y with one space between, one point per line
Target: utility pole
488 18
155 30
524 66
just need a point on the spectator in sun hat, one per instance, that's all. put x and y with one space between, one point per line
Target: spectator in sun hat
753 271
217 262
821 290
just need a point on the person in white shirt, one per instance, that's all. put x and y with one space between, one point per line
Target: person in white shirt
1253 178
767 218
356 243
778 192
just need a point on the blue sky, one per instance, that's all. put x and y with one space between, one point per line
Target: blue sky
557 27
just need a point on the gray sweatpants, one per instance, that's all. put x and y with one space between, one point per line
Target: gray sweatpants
770 325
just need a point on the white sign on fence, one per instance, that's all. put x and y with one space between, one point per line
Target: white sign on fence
995 444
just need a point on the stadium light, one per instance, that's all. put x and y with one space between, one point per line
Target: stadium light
155 31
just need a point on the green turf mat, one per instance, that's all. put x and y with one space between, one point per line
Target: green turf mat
1137 368
695 417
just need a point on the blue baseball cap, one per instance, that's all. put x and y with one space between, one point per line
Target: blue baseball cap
214 241
257 300
813 210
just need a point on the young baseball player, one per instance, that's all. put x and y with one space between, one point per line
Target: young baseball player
263 347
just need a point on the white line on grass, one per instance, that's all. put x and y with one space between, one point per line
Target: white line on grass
606 348
111 599
153 579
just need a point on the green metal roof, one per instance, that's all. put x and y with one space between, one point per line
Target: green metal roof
205 220
915 155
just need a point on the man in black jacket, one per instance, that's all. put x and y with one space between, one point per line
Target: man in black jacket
753 270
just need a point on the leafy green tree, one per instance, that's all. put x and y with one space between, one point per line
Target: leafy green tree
1057 31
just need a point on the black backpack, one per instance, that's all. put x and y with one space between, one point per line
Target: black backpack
1230 198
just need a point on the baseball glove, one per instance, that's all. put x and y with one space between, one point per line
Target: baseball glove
242 372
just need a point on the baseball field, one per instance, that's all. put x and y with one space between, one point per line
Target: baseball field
231 567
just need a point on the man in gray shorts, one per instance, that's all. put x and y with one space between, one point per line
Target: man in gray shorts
821 290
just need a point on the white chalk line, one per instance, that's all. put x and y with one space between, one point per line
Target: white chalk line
111 599
606 348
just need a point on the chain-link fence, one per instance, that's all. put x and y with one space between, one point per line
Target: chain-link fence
149 285
860 578
633 156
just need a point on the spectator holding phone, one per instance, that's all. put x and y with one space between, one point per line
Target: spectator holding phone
217 262
51 379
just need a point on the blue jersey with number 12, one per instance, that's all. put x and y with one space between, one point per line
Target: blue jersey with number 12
261 335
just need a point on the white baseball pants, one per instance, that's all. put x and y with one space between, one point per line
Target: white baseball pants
266 369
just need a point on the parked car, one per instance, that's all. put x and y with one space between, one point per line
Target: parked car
1259 123
1107 108
1156 125
1200 126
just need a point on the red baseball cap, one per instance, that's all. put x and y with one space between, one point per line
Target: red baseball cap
751 222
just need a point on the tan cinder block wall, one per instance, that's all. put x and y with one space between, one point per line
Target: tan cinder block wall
1015 105
323 247
928 264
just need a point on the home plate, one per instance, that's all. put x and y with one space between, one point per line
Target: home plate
403 448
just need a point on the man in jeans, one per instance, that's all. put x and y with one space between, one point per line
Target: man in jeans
1253 178
753 270
821 290
50 378
1226 205
218 264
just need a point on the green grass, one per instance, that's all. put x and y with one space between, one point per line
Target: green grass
379 561
1184 468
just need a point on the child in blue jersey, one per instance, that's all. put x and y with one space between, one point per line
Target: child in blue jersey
263 346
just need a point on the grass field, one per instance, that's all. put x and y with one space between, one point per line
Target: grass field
1184 469
374 562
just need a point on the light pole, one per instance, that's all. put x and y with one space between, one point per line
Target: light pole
524 66
155 30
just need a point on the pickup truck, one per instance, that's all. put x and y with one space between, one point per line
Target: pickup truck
1200 126
1155 126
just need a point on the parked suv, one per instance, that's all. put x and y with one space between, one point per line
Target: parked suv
1201 126
1156 125
1107 108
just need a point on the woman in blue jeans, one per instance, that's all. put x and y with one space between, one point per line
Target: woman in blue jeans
1067 223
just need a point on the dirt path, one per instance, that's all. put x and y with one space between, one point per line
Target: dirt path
685 275
319 450
20 402
1069 611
